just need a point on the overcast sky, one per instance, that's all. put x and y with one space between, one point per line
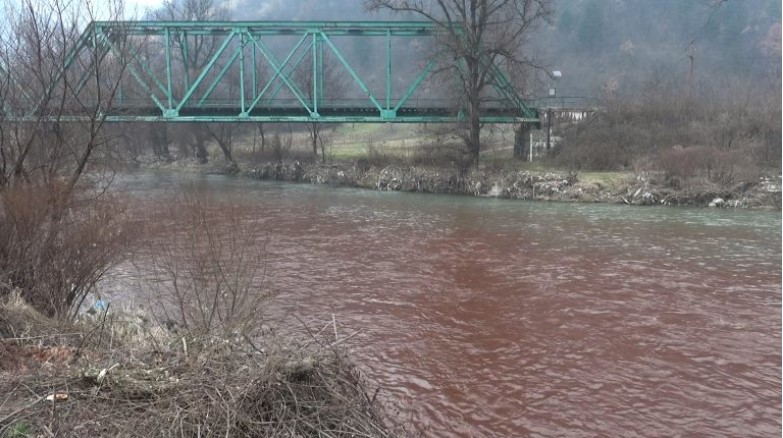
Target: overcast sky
136 8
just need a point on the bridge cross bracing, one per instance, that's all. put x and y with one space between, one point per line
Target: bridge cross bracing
255 72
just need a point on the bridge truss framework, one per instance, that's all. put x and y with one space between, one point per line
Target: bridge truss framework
169 90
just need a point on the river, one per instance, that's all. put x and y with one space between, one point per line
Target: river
484 317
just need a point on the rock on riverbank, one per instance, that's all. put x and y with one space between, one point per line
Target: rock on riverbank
522 184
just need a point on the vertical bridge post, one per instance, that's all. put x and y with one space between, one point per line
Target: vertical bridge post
194 75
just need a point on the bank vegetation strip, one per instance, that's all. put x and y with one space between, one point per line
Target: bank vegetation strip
188 355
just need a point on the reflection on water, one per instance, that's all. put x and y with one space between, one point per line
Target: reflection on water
492 318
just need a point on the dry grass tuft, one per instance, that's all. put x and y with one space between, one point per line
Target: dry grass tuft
127 377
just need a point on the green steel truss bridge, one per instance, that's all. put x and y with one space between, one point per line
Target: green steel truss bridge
254 72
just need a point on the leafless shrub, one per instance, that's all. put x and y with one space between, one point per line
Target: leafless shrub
722 167
377 155
208 274
437 154
442 147
679 164
726 131
280 146
151 382
56 245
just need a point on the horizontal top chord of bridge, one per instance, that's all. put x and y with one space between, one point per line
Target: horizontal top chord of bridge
254 71
335 28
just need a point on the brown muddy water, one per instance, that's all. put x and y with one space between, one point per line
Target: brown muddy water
484 317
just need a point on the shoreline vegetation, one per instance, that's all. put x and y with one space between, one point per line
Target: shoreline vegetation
504 181
191 353
121 374
707 143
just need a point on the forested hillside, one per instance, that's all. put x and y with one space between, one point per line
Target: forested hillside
623 44
615 44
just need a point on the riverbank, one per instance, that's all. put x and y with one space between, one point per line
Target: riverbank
121 374
504 181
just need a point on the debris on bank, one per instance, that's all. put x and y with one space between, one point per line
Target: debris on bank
116 375
647 189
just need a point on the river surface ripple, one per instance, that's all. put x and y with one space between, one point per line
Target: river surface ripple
485 317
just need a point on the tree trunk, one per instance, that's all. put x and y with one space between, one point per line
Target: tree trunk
226 148
263 138
522 141
474 113
201 150
314 138
475 136
159 137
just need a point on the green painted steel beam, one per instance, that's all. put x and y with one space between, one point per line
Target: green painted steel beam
412 89
388 70
242 73
278 72
218 78
280 119
205 72
270 57
193 101
316 69
169 93
133 71
351 71
217 28
289 75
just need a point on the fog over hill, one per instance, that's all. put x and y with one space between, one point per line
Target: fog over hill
614 45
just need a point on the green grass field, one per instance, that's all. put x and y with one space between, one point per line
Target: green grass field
348 142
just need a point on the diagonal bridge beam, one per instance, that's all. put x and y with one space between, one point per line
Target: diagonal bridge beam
253 70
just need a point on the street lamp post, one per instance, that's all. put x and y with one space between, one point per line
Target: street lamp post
557 74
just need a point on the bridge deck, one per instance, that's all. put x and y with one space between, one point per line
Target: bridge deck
327 114
286 111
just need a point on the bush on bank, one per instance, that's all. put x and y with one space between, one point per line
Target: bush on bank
720 133
121 375
198 363
56 244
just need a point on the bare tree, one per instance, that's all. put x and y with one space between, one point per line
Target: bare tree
198 49
57 237
478 34
36 49
333 85
223 134
195 53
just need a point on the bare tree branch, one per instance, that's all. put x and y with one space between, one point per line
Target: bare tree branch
478 35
